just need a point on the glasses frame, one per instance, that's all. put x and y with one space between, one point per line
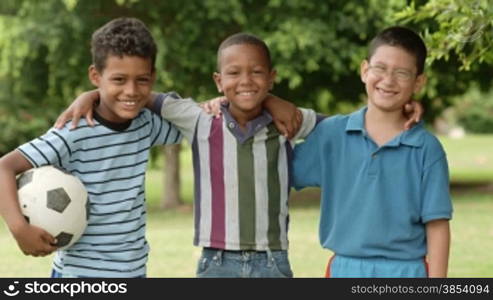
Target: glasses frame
399 74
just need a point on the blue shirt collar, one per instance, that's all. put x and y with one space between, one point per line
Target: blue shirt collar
412 137
252 126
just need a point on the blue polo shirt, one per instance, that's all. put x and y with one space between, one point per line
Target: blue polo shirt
375 200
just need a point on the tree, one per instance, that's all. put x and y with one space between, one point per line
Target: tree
459 36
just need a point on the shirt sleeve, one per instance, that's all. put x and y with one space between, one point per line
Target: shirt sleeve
307 161
182 113
52 148
436 202
163 132
309 122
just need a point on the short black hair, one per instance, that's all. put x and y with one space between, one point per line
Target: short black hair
122 36
404 38
243 38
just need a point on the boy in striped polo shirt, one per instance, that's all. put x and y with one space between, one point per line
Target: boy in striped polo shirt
110 159
241 166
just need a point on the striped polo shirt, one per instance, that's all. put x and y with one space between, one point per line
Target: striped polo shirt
110 159
242 179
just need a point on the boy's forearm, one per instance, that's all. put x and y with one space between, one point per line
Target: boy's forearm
9 207
438 240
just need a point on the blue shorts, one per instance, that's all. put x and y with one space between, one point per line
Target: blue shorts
243 264
340 266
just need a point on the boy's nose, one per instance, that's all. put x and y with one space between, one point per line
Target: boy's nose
388 78
131 88
245 79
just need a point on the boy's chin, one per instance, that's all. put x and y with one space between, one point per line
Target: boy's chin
128 115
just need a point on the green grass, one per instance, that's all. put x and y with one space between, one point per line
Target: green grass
170 232
470 159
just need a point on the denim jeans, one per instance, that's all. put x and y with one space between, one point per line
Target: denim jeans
243 264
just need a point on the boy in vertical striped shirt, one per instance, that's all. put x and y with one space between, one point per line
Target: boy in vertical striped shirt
241 166
110 159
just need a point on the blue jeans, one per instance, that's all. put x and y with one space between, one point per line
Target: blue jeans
243 264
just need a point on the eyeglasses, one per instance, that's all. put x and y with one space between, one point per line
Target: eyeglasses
400 75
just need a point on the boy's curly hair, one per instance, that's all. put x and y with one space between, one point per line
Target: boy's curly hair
122 36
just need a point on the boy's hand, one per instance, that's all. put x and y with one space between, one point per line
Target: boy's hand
83 106
213 106
413 111
287 117
34 241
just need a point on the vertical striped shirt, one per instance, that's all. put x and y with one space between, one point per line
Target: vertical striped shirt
110 159
241 178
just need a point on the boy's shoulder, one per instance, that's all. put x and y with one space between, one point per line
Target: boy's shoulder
431 143
337 122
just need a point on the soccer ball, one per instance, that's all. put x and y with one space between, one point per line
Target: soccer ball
55 201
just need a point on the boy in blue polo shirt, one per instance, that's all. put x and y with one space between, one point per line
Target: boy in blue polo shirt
385 191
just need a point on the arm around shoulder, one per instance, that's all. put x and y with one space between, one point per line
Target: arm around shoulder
182 113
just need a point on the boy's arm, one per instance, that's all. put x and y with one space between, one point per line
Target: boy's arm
83 106
31 239
413 111
286 116
438 243
183 113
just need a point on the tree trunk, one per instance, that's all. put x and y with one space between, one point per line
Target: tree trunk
171 177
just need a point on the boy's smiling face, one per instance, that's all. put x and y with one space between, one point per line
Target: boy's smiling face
245 78
390 78
124 85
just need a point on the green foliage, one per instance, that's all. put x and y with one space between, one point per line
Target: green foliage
455 27
475 111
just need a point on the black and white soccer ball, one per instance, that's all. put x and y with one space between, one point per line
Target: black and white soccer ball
55 201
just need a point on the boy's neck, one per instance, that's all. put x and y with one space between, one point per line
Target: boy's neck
118 126
383 126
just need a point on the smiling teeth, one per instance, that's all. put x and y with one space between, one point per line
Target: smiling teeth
386 92
246 93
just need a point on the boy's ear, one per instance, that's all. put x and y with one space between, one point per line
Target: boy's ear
94 75
420 83
217 80
363 69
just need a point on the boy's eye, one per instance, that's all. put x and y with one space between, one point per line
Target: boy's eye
379 69
404 75
144 80
118 80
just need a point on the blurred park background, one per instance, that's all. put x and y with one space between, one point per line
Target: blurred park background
317 47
